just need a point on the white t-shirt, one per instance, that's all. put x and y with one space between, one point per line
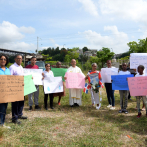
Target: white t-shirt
48 74
138 75
124 73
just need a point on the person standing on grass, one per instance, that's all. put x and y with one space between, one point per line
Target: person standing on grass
124 93
48 73
94 95
36 93
17 107
132 71
3 71
60 94
109 91
75 95
138 98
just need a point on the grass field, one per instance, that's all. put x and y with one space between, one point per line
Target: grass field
78 126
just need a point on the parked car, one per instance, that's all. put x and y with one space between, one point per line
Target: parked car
40 64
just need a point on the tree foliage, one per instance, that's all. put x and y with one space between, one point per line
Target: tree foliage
104 55
140 47
71 54
84 49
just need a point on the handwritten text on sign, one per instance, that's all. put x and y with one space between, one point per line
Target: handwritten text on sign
135 61
138 86
119 82
75 80
11 88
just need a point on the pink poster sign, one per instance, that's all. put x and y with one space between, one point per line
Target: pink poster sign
75 80
138 86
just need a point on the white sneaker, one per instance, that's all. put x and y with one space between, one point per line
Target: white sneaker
100 99
98 107
109 106
7 127
112 108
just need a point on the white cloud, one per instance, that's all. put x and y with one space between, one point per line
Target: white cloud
11 36
28 30
116 40
9 32
89 6
127 9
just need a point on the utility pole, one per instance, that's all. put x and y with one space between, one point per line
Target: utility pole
37 43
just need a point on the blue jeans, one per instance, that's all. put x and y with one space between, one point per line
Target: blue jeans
110 94
3 108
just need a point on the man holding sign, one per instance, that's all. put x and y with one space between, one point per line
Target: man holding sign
17 107
36 93
75 94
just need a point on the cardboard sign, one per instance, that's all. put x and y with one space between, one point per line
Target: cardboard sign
11 88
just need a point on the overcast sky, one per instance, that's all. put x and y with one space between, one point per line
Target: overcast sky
72 23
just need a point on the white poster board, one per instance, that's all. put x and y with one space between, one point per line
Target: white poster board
137 59
106 74
36 74
53 85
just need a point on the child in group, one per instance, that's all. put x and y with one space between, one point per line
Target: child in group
123 92
48 73
144 98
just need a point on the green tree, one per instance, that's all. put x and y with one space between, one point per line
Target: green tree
84 49
83 58
104 55
71 54
140 47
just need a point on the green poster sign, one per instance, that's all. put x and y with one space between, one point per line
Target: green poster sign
29 85
58 72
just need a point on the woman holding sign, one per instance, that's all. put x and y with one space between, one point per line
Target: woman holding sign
3 71
48 73
94 78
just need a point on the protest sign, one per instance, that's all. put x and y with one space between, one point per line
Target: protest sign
119 82
138 86
75 80
11 88
59 72
53 85
94 78
36 74
29 86
107 73
137 59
